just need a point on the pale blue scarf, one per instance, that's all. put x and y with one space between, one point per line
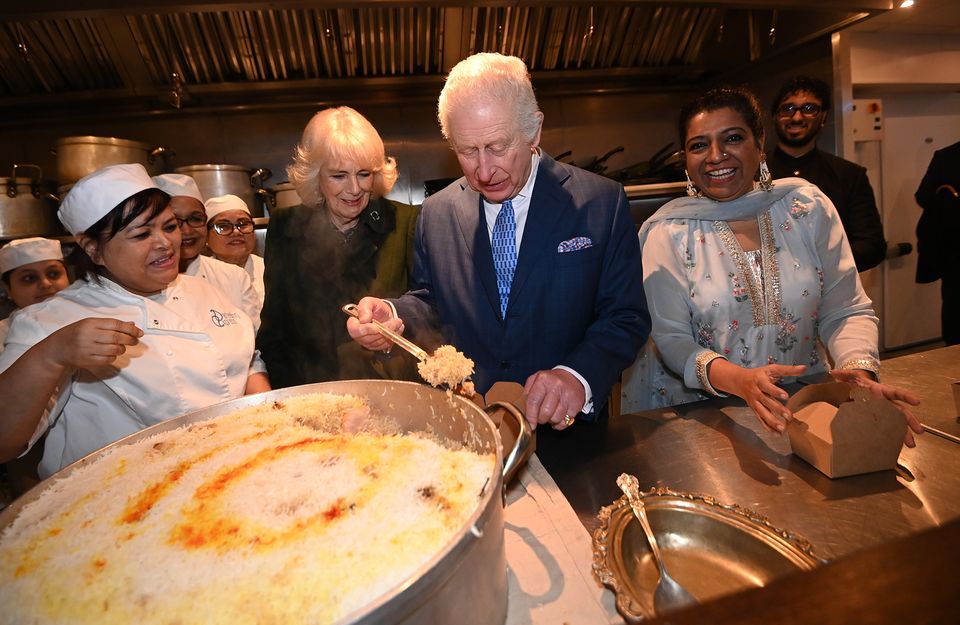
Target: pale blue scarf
747 206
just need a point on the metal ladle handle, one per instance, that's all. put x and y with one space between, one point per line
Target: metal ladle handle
417 352
631 488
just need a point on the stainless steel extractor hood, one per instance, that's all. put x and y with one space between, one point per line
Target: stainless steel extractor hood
68 55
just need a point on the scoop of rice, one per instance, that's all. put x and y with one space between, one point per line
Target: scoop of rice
446 366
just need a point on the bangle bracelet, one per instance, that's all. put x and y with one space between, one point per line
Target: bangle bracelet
867 364
704 358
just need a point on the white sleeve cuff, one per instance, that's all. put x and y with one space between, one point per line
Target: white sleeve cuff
587 393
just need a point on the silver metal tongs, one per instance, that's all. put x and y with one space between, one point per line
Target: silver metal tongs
396 339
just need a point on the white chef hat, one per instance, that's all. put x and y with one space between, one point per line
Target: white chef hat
223 203
178 184
25 251
96 194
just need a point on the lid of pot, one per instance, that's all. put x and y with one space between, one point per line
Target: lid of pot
89 139
186 169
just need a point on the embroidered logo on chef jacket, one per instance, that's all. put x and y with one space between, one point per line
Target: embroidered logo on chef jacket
224 319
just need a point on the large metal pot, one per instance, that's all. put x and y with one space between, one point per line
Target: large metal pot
466 582
79 156
27 209
216 180
284 195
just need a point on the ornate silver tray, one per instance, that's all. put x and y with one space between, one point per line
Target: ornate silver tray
712 549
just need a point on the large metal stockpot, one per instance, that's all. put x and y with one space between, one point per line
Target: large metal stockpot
215 180
284 195
27 209
464 583
79 156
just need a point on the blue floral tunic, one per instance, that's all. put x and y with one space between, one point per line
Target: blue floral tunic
780 304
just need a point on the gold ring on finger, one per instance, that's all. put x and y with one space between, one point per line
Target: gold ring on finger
568 420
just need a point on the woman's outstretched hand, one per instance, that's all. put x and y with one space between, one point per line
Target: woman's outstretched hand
901 399
758 387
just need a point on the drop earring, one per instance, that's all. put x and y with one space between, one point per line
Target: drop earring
692 189
766 180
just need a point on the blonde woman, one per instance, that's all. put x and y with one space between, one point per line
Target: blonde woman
345 241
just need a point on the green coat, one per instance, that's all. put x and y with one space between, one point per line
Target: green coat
311 271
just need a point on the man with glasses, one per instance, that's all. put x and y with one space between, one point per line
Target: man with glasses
799 114
187 204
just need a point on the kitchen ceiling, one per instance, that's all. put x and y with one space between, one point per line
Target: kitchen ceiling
62 56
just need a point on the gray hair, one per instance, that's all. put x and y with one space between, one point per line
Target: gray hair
335 135
490 77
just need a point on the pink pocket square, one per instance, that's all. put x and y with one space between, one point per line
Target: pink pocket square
574 244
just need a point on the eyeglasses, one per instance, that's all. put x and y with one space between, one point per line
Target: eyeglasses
224 228
807 109
196 220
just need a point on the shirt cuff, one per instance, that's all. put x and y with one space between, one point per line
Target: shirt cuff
392 307
587 393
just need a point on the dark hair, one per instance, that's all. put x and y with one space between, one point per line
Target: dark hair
815 86
150 201
739 99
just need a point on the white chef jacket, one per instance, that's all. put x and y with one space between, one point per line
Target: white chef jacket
197 350
232 280
4 328
254 268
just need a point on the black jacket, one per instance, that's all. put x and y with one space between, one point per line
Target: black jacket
847 186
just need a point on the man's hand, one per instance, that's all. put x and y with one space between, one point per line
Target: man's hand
367 334
554 396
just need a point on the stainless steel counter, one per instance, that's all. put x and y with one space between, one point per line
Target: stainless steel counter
718 448
930 375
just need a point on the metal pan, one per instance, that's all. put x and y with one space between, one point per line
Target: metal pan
466 581
712 549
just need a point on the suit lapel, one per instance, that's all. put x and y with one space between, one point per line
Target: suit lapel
548 206
473 228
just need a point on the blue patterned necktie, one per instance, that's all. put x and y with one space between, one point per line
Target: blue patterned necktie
504 246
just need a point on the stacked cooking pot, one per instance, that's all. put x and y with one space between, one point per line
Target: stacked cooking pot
27 208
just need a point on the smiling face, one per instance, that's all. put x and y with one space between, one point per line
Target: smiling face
345 188
35 282
795 126
491 150
722 155
143 256
235 246
192 237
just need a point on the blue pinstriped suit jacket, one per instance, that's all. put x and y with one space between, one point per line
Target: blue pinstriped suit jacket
584 308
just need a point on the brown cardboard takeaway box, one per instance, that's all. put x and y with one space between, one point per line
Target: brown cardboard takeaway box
845 431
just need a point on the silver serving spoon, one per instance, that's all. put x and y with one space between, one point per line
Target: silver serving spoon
669 594
390 335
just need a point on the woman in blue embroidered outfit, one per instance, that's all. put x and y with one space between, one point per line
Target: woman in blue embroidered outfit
744 276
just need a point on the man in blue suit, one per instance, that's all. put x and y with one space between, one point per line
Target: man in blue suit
529 266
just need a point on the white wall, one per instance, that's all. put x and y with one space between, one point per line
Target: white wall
903 60
916 77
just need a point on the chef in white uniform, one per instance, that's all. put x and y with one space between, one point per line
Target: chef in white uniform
32 270
187 204
131 344
231 237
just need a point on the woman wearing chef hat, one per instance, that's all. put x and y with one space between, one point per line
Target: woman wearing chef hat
187 205
32 270
133 343
231 238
